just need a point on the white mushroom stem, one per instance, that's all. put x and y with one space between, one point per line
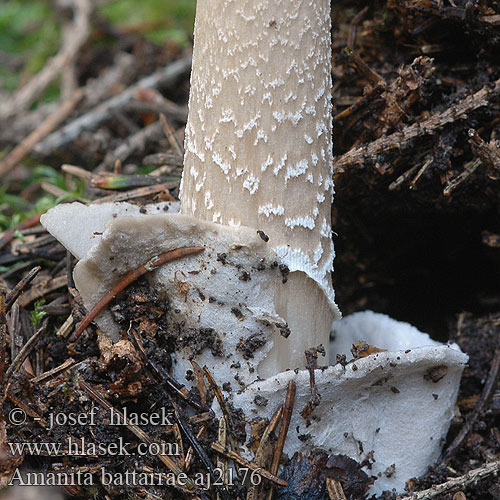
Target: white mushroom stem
259 148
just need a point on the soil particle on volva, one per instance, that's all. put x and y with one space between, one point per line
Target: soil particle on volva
149 312
248 346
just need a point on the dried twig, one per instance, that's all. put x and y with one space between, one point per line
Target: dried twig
102 112
311 365
489 153
79 172
129 278
263 450
402 178
224 407
335 490
399 140
370 73
454 182
250 465
27 144
28 410
69 363
161 374
285 423
170 135
136 142
163 159
8 235
190 455
152 101
41 289
481 405
65 329
200 383
420 172
70 46
351 41
471 477
23 354
200 452
143 436
17 290
138 193
222 464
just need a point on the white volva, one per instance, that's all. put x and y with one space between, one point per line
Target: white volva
259 148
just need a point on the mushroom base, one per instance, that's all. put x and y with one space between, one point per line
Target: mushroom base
391 409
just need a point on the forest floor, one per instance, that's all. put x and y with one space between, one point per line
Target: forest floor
416 219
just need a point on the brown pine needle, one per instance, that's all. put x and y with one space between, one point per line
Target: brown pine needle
263 450
285 423
245 463
129 278
8 236
17 290
143 436
22 355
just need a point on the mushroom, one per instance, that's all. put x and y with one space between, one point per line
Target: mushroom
259 149
256 193
390 409
258 155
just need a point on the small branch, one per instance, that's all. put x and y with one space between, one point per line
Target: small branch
222 464
481 405
135 142
27 144
8 235
162 376
23 354
245 463
262 451
223 406
399 140
200 452
3 341
69 363
422 169
354 25
152 101
41 289
285 424
170 135
488 153
18 289
371 74
454 182
92 119
80 31
137 193
335 490
402 178
143 436
459 482
129 278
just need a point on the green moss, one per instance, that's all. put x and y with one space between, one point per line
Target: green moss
23 24
157 19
